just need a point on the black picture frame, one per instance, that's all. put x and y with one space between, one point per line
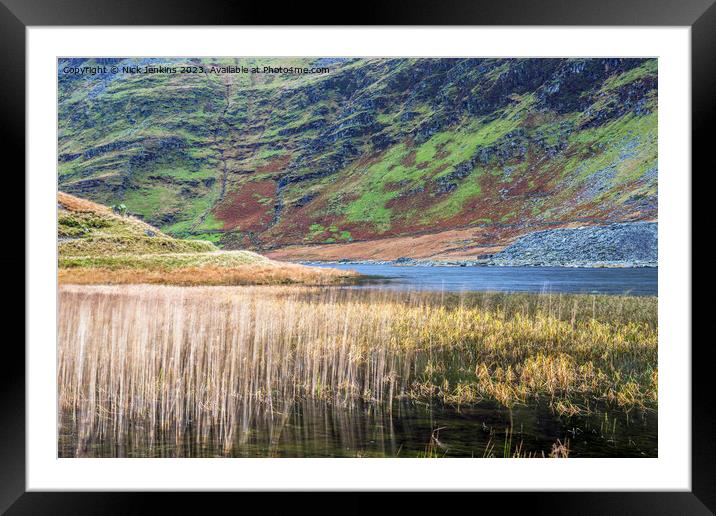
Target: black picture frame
17 15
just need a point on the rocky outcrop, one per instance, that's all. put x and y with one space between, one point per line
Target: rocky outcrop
630 244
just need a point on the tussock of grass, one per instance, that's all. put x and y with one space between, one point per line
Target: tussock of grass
559 449
219 356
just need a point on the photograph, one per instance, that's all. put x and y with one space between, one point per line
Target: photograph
357 257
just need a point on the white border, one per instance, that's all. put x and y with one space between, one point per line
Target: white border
670 471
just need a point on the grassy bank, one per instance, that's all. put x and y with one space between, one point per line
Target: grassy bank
160 272
98 246
218 356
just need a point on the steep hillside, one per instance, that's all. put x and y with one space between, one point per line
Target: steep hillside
466 154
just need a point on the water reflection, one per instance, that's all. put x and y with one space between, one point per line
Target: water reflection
310 428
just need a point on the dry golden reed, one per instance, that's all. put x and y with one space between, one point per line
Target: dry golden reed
272 273
213 357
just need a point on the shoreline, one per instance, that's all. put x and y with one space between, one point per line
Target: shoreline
616 245
411 262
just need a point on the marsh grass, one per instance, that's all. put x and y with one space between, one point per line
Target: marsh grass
512 450
209 360
182 271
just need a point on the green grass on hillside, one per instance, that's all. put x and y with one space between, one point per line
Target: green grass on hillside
109 246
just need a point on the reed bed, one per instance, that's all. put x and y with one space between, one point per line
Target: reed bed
263 273
209 359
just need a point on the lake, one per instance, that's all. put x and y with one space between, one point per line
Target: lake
628 281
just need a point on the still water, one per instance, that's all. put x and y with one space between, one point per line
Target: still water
319 429
629 281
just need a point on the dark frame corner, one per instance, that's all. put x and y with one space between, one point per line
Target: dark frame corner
17 15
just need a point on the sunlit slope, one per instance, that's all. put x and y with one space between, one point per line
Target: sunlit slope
97 245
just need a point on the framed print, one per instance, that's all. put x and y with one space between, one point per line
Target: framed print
310 258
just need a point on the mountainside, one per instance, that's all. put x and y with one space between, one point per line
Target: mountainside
460 156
